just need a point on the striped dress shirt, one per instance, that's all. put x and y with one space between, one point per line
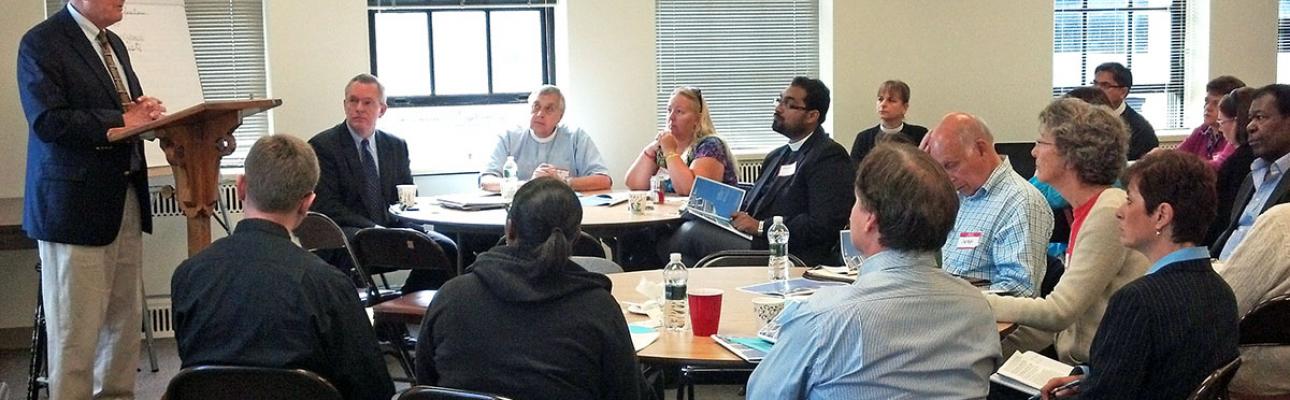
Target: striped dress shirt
1001 234
904 329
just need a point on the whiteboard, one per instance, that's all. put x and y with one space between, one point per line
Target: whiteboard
156 35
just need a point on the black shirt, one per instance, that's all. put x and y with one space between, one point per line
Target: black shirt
257 299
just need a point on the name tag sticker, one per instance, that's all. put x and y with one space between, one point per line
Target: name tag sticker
788 169
969 240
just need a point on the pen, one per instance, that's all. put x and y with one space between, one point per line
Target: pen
1069 385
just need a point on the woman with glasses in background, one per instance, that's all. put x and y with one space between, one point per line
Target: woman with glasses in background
1233 119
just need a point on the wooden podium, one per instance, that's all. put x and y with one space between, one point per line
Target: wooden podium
195 139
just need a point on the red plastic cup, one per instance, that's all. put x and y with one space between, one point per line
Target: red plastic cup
705 311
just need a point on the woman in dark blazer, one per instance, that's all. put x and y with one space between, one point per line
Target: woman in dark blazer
1233 117
1163 333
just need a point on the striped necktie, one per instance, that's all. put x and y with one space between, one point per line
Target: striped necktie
372 188
122 94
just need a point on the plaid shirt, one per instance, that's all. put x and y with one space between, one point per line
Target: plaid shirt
1001 234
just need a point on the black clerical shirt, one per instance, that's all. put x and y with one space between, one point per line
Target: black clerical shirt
257 299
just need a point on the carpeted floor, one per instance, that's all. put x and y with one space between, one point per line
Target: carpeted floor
151 385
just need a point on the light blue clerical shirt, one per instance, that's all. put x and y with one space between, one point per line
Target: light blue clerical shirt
905 329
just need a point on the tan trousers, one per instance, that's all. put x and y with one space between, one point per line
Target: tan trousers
93 312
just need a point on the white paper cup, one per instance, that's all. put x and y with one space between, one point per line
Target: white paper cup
407 195
767 309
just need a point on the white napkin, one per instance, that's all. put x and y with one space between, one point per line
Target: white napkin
654 292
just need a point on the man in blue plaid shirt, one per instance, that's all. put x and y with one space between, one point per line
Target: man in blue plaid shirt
1003 222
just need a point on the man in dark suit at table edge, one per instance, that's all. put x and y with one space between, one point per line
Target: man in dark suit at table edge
86 199
807 181
348 164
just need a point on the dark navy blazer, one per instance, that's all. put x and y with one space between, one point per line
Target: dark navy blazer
76 180
341 179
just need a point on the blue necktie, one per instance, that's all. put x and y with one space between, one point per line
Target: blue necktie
372 188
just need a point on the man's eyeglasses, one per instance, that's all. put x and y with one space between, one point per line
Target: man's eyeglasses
781 101
1105 85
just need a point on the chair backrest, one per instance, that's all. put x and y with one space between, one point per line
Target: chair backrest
442 393
742 258
319 232
1214 387
1052 273
584 246
381 250
597 264
232 382
1268 324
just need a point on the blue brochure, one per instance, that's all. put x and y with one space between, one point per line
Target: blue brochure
714 202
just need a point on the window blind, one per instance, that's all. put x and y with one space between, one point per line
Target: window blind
228 42
1283 41
741 54
1147 36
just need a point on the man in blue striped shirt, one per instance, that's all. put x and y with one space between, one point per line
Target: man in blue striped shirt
905 328
1003 223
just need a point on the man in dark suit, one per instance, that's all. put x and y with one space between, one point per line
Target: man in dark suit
85 198
361 168
807 181
1115 81
1265 185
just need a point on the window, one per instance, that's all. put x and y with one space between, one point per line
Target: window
228 43
1147 36
1283 42
457 73
742 54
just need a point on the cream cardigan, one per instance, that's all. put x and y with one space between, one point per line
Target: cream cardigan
1258 271
1098 266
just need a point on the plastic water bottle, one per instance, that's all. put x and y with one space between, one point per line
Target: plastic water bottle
676 311
778 236
510 178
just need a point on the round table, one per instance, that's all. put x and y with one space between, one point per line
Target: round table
598 221
737 318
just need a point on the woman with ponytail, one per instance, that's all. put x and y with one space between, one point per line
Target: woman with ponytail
525 321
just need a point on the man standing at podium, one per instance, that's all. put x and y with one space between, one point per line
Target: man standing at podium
361 169
86 199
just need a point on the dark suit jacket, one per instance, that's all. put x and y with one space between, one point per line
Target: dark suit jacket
1162 334
815 200
1280 194
341 179
868 138
1142 137
76 180
1230 177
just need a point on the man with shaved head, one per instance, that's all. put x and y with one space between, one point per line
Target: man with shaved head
1003 222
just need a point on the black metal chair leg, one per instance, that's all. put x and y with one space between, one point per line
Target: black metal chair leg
38 369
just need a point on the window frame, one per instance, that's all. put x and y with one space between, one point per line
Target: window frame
546 15
1174 89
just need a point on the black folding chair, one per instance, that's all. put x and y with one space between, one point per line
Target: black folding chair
1268 324
584 246
319 233
384 250
1214 387
442 393
218 382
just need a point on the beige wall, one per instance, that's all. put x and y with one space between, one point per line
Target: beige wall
992 58
17 17
312 54
1243 40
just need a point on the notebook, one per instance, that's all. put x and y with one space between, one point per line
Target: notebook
603 199
715 202
751 349
473 202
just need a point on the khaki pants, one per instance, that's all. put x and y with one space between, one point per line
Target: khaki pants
93 312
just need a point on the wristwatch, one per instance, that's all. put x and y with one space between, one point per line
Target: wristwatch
760 225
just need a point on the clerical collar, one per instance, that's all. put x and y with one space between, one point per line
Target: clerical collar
1120 110
794 146
547 139
897 129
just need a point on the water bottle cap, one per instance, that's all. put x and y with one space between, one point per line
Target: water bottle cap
779 219
675 257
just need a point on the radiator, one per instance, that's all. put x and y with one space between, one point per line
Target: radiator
748 168
160 316
165 205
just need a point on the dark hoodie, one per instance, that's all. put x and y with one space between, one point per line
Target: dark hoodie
513 328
